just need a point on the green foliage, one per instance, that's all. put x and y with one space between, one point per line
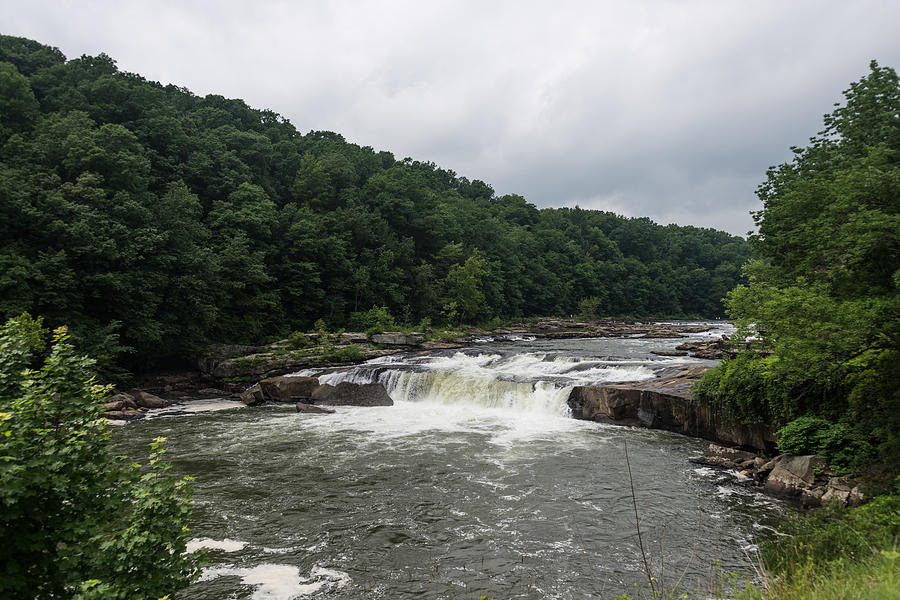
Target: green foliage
347 354
377 319
840 443
834 535
589 308
154 221
824 297
74 517
746 389
298 341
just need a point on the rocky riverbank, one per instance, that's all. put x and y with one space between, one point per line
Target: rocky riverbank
244 364
666 402
806 479
227 371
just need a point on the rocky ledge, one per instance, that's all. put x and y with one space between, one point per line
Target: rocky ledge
806 479
132 406
230 363
309 395
666 402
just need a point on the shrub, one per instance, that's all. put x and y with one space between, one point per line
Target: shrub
377 319
298 340
346 354
844 447
747 389
75 520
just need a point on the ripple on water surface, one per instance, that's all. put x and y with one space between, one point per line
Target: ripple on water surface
441 500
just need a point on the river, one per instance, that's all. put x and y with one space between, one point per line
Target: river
474 482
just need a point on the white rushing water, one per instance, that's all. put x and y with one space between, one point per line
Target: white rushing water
528 381
474 482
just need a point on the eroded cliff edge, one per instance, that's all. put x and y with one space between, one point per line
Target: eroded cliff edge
666 402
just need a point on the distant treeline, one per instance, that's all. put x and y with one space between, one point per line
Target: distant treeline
148 217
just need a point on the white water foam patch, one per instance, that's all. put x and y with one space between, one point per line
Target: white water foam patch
477 390
225 545
280 582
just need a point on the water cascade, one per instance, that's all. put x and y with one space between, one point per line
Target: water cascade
473 483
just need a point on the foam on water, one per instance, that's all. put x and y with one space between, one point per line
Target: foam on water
225 545
280 582
527 382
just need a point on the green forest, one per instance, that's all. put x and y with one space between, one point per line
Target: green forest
821 309
153 221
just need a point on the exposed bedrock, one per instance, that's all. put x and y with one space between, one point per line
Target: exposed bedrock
307 390
666 403
351 394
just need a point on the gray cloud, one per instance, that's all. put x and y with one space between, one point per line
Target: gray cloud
666 109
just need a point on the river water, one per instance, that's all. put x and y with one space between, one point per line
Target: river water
474 482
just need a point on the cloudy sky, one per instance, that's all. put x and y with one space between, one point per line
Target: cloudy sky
667 109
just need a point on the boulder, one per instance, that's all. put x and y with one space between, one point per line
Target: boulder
125 415
351 394
303 407
116 405
842 491
127 400
253 395
148 400
796 476
284 388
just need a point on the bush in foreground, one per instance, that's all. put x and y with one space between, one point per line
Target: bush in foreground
76 521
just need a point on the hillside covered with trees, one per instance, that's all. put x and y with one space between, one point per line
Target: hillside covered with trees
150 219
821 310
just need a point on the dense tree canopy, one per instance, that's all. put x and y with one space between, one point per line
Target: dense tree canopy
145 214
825 293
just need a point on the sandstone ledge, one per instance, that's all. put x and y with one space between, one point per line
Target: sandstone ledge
666 403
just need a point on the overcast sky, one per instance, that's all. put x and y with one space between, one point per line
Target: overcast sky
667 109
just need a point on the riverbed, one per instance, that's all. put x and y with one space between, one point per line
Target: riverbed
475 482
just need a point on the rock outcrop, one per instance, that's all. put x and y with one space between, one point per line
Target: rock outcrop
307 391
398 339
666 403
148 400
351 394
124 407
284 389
806 478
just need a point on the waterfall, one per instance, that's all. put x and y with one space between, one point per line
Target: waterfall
527 382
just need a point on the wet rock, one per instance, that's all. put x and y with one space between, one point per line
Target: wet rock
125 415
284 388
351 394
729 458
148 400
713 349
303 407
116 405
127 400
253 395
795 476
